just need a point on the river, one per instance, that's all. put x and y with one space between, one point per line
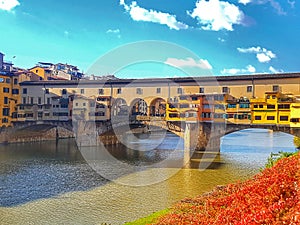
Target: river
52 183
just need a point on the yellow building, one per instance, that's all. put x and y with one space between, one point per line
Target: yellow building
264 110
273 109
9 98
295 115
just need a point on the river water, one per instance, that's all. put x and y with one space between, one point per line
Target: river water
52 183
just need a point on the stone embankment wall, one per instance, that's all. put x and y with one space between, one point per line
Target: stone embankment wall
12 135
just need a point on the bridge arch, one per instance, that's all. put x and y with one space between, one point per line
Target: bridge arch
119 107
158 107
138 107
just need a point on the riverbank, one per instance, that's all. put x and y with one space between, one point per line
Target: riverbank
36 134
270 197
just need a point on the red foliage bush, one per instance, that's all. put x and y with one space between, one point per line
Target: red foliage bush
271 197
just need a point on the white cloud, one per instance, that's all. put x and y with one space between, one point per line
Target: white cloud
138 13
245 2
234 71
115 31
189 62
263 55
273 70
8 5
217 15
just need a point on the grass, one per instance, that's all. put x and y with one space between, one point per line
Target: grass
149 219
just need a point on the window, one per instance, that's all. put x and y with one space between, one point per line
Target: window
218 97
139 91
24 91
76 104
206 106
158 90
46 91
5 100
92 104
48 101
257 117
4 120
5 90
24 100
15 81
275 88
284 118
39 100
194 98
173 115
100 114
15 91
101 91
295 120
270 106
261 106
119 91
31 100
231 106
206 115
81 91
64 91
249 88
7 80
270 117
5 111
84 104
40 114
219 106
183 106
255 106
179 91
283 106
225 89
244 105
201 90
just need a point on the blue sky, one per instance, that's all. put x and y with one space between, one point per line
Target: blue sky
224 37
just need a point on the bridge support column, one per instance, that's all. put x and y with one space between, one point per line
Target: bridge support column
209 135
190 136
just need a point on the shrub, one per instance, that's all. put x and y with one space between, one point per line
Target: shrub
270 197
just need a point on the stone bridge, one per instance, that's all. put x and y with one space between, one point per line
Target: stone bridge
198 136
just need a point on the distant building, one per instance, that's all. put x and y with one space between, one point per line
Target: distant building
59 71
1 60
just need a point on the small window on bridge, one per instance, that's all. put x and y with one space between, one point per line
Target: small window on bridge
270 117
101 91
249 88
295 120
284 118
261 106
158 90
270 106
257 117
225 89
173 115
139 91
119 91
201 90
179 91
275 88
